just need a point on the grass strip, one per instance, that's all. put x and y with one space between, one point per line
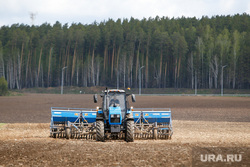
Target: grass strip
2 124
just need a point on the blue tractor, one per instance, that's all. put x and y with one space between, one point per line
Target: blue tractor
115 116
113 120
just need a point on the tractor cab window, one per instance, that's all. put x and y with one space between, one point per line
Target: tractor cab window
115 100
114 103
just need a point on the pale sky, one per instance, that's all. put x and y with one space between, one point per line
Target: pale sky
88 11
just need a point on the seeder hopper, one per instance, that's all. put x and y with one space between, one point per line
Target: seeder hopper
115 120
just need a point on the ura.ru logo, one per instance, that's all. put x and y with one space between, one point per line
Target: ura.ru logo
220 158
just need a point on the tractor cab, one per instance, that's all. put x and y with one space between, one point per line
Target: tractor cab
114 99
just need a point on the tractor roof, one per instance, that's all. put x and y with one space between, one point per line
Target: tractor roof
115 90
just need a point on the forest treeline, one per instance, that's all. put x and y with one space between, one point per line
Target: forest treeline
174 53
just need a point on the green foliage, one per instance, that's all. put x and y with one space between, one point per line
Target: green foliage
173 51
3 87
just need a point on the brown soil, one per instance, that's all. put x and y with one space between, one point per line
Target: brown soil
197 122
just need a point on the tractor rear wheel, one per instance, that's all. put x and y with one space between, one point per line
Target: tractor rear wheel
130 131
67 133
100 130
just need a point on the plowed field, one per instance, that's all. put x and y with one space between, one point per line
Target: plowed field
211 122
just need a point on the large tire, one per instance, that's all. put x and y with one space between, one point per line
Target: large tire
100 130
130 131
67 133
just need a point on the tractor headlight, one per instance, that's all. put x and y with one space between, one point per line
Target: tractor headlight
112 115
118 115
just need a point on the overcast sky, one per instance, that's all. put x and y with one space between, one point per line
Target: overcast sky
88 11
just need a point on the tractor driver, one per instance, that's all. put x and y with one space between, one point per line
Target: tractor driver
114 103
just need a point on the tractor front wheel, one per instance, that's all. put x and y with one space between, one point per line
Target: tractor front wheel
130 131
100 136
